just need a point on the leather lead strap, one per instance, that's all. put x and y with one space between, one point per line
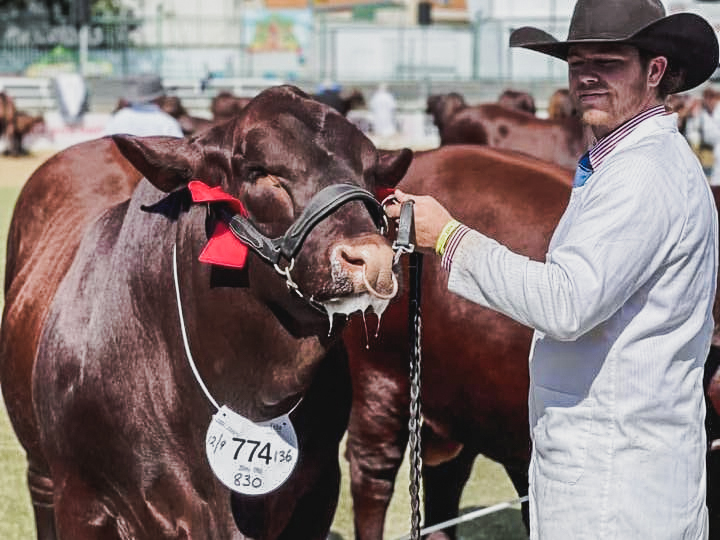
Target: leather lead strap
405 243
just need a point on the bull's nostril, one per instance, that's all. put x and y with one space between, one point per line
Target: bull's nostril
352 258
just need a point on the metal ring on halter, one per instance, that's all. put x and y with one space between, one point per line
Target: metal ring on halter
288 278
390 199
380 295
385 227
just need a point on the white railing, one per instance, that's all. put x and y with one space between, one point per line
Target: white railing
196 97
34 95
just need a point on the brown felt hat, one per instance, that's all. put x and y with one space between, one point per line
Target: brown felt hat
687 40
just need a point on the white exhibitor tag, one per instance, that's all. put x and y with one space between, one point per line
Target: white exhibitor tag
251 458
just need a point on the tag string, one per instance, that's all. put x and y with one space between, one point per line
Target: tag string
184 334
186 343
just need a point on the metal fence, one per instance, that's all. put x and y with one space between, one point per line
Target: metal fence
291 45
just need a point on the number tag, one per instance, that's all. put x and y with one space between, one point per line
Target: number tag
251 458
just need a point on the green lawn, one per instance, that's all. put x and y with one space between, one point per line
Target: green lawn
488 484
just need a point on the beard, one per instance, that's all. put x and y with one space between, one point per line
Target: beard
594 117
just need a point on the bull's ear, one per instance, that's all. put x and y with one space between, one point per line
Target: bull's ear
392 166
167 162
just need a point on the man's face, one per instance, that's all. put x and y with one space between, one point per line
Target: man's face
609 85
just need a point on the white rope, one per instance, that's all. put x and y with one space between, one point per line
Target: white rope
469 516
184 334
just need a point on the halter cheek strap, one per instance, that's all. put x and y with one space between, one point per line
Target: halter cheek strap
324 203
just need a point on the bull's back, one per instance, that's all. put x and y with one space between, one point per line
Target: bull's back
54 208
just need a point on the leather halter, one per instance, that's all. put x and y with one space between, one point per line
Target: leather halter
324 203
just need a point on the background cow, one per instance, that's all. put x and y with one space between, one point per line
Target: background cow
8 124
559 141
517 99
96 381
341 101
560 106
190 125
474 360
225 105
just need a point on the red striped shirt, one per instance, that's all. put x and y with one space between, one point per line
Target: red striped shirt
608 143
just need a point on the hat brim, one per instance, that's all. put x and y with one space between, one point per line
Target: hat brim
685 39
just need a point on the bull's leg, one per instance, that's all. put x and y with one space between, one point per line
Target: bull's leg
314 512
443 485
80 515
41 495
377 438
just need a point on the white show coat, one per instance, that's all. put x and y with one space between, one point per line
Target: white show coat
622 309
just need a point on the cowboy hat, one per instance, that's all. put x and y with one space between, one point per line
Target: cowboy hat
686 39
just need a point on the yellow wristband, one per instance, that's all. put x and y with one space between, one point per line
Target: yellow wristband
447 231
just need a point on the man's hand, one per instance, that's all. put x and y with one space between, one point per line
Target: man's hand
430 218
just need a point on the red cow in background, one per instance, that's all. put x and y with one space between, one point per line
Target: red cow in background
559 141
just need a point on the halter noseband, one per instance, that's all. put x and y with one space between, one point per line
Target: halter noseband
324 203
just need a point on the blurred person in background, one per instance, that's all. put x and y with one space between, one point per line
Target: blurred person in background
139 113
382 111
703 132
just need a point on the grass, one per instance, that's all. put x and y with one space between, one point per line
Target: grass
488 484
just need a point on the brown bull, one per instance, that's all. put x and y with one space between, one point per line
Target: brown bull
474 360
108 308
559 141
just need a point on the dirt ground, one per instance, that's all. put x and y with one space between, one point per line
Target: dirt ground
15 170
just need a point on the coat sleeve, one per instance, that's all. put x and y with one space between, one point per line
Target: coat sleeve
620 236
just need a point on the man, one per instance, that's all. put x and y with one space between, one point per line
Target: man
139 114
622 305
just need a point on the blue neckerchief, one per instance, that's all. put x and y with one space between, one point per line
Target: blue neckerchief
583 171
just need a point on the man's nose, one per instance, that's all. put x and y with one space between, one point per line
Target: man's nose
586 75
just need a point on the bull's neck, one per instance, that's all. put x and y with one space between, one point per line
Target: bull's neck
244 356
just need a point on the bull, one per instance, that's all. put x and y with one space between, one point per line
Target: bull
170 349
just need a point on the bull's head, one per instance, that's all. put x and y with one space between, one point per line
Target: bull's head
275 158
443 106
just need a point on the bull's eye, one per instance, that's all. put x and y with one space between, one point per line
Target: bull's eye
269 200
256 172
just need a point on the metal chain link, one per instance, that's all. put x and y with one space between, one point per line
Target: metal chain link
415 423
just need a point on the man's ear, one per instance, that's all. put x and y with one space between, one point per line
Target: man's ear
656 70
